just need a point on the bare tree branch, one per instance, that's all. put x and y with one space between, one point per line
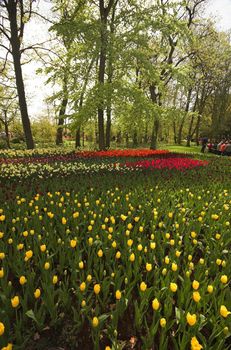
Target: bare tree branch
3 31
22 25
5 62
5 47
31 12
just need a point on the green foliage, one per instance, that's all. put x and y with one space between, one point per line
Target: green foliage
165 45
43 130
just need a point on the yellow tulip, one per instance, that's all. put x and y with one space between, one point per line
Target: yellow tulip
224 279
210 288
118 295
2 328
123 217
196 297
55 279
1 272
28 255
118 255
81 265
47 266
37 293
195 345
148 267
132 257
82 286
89 278
22 280
43 248
64 221
73 243
15 301
174 267
155 304
143 286
100 253
224 311
195 284
97 288
8 347
191 319
95 321
173 287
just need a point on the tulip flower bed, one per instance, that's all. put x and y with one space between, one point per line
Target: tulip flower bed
62 154
29 167
172 163
117 258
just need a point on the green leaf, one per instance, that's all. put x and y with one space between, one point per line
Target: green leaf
103 317
30 314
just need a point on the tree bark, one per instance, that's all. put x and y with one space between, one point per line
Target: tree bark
83 138
127 139
6 129
15 44
198 129
59 134
110 77
77 138
174 132
146 133
179 138
102 67
154 136
104 12
156 123
189 137
200 111
135 139
108 127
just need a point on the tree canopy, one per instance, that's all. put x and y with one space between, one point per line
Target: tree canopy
140 70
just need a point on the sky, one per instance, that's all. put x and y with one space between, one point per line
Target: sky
221 10
37 31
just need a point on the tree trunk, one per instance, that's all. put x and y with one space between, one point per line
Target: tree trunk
59 134
135 139
198 129
108 126
110 77
189 137
15 44
83 138
174 132
79 104
102 67
179 138
127 139
104 12
155 129
146 133
190 134
77 138
118 137
6 129
96 134
203 97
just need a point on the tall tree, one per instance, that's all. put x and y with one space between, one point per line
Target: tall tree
104 11
14 15
179 17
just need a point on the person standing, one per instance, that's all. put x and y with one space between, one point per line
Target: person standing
203 144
